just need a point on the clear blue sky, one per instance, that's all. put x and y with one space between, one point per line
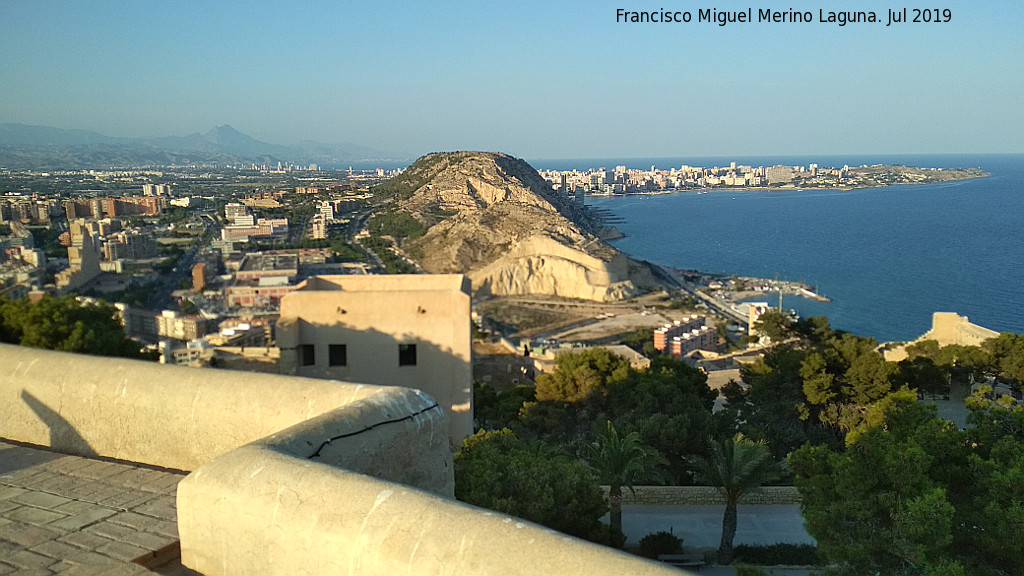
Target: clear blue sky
535 79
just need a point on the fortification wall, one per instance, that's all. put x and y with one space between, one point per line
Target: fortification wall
350 478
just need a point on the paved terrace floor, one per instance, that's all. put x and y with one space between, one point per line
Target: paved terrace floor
78 516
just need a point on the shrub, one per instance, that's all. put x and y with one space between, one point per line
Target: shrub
775 554
658 543
744 570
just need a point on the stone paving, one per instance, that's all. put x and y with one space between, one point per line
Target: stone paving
63 514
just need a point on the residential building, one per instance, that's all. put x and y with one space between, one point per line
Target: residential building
83 257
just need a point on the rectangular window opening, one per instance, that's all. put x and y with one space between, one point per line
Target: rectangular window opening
307 355
406 354
337 355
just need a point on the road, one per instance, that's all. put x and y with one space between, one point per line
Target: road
701 526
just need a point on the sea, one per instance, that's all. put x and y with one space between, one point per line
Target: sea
887 257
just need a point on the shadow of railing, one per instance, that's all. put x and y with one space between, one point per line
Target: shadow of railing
289 475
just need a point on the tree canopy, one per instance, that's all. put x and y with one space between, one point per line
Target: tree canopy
531 480
622 461
65 324
912 494
736 466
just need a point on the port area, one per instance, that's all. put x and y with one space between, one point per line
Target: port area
743 289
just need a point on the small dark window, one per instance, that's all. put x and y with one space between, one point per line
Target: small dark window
406 354
307 355
337 355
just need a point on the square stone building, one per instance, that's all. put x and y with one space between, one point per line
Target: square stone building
395 330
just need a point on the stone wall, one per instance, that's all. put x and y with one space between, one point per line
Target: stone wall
706 496
306 476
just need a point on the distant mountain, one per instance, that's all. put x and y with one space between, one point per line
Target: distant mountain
26 135
36 147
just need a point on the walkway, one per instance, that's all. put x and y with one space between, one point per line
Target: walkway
64 514
701 526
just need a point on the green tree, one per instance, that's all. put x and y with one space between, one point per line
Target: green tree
578 374
642 341
622 462
531 480
774 324
669 405
399 225
913 494
736 466
494 410
62 323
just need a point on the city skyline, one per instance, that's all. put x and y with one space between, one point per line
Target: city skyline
533 80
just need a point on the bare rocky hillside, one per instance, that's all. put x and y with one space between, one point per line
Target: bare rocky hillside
492 217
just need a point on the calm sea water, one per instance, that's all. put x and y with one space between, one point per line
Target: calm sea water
888 257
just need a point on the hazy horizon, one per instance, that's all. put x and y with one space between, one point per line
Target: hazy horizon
533 80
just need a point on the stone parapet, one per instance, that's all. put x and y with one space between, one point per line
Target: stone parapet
289 475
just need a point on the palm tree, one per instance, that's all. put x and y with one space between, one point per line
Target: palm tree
622 461
737 466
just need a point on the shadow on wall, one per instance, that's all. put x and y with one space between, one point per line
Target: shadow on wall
63 435
368 356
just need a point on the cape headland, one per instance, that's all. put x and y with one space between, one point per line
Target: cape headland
493 217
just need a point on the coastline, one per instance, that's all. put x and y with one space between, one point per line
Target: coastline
706 190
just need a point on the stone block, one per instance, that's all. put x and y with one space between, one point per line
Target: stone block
54 549
40 499
76 507
135 521
26 560
108 530
82 519
128 499
149 541
122 551
84 540
36 516
87 558
7 491
26 534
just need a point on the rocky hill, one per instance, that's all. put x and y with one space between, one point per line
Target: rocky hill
492 217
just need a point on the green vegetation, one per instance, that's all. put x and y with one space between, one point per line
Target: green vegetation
494 411
175 214
736 466
622 462
778 554
343 251
531 480
399 225
48 239
668 406
188 307
658 543
137 294
642 341
913 494
403 186
66 325
814 390
887 486
393 263
687 302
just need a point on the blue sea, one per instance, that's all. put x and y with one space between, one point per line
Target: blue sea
887 257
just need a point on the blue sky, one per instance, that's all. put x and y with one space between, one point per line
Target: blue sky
534 79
